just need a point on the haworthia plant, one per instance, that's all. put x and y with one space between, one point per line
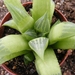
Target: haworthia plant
48 66
22 19
32 29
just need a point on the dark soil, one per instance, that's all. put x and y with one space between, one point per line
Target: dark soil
67 7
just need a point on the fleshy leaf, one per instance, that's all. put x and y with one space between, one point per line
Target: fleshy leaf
42 24
61 31
48 66
30 34
39 45
68 43
12 44
11 55
52 8
57 22
11 24
45 6
28 57
22 19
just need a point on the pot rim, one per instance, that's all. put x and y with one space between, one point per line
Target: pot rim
6 18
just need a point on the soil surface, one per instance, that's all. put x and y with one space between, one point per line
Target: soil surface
67 7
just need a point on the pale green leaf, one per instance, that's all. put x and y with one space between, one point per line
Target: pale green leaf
12 44
39 46
57 22
42 25
28 57
48 66
30 34
11 55
11 24
52 8
40 7
22 19
68 43
61 31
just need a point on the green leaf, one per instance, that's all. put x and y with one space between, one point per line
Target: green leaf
11 55
28 57
57 22
22 19
45 6
39 45
12 44
52 8
42 24
48 66
68 43
11 24
61 31
30 34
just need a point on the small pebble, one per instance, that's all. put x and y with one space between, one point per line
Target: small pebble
67 73
14 67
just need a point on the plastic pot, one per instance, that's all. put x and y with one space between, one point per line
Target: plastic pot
8 16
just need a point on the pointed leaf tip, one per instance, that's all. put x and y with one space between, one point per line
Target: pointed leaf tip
42 24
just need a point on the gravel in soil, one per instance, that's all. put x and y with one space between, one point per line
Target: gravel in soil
67 7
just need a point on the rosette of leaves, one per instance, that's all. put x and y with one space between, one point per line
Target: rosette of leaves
37 39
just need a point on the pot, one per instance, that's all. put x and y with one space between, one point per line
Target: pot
8 16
